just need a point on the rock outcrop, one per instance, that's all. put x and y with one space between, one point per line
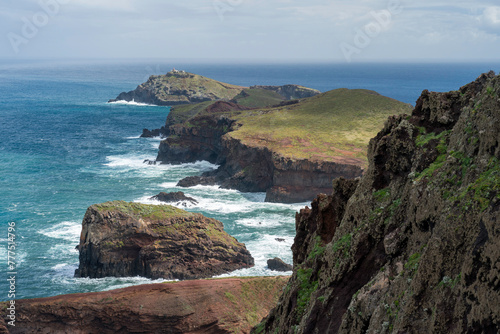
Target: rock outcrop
205 306
157 241
278 264
179 87
414 245
178 198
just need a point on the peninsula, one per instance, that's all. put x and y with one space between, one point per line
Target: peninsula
288 141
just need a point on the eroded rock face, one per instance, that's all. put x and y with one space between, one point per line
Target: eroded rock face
157 241
414 247
204 306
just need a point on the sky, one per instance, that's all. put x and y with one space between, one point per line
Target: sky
270 30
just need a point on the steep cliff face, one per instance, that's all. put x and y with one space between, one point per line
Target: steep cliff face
414 245
206 306
157 241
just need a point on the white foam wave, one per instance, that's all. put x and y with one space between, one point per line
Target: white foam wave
66 230
65 269
132 103
133 137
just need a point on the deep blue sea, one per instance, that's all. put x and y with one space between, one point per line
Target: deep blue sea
63 148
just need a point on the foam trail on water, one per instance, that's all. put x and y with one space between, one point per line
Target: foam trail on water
132 103
67 230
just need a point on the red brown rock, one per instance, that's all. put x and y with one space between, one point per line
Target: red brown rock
205 306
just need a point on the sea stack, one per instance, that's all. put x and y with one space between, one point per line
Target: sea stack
123 239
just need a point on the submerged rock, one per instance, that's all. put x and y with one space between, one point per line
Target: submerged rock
123 239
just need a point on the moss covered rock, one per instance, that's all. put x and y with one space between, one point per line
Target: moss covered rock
123 239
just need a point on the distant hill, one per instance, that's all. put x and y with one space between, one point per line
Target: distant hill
180 87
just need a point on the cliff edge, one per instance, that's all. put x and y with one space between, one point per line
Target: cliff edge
414 245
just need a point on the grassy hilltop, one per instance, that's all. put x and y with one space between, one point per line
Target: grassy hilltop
333 126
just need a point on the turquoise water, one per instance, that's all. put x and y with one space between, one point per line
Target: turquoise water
63 148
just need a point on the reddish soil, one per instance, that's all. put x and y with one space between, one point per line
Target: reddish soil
204 306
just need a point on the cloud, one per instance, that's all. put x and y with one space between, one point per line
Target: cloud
490 19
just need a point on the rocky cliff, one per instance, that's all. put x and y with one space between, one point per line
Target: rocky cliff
414 245
206 306
288 151
157 241
179 87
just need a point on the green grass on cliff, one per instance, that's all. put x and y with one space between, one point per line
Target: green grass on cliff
156 212
333 126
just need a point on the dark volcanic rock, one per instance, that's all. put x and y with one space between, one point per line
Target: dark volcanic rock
192 181
174 197
161 132
157 241
278 264
414 246
216 306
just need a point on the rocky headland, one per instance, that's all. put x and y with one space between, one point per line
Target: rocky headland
123 239
204 306
179 87
413 246
290 151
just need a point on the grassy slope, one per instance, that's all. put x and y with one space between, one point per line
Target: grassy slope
331 126
258 98
194 83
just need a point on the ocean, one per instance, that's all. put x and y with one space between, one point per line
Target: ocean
64 148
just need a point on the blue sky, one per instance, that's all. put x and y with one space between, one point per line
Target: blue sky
290 30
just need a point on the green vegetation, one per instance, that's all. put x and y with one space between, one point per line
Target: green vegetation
412 264
486 186
442 148
382 194
153 212
258 98
343 244
317 250
181 114
162 86
336 124
306 288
